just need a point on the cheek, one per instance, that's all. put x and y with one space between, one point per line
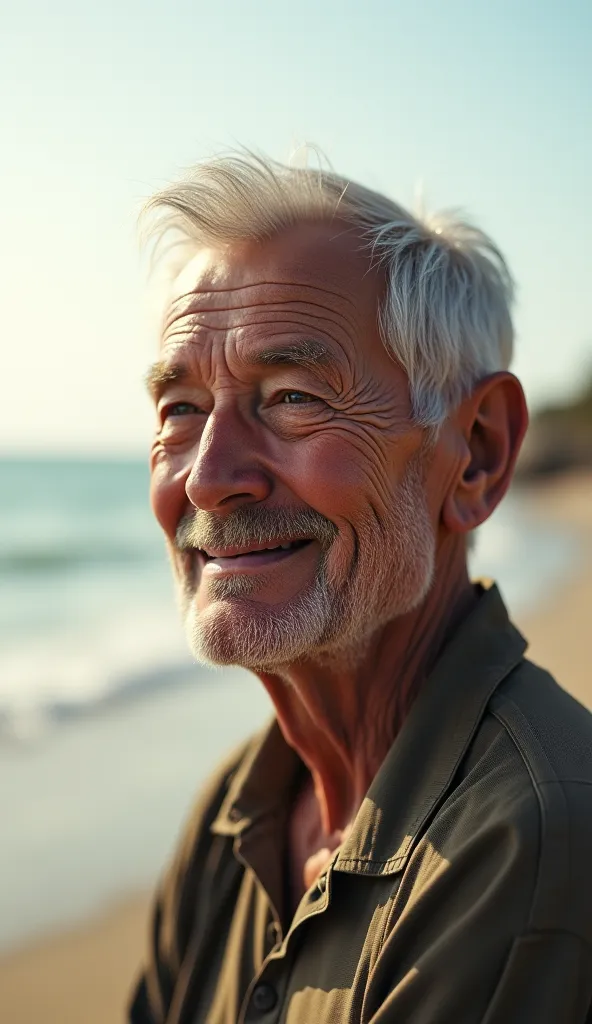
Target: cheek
341 478
333 477
167 496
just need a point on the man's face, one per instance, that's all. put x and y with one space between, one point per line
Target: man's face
286 472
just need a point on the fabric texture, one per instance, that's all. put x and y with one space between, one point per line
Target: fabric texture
461 895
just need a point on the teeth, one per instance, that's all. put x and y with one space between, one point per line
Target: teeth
277 547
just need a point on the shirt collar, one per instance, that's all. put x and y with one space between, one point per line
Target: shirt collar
262 783
419 768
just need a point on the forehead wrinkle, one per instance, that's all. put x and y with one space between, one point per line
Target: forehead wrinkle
191 315
197 295
261 313
281 303
308 350
258 319
268 309
283 285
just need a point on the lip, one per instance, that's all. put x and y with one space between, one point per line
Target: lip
233 550
249 562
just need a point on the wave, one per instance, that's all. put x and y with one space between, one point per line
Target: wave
26 722
50 559
121 645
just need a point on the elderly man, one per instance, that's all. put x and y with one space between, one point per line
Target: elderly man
410 839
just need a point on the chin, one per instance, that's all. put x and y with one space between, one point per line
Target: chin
239 631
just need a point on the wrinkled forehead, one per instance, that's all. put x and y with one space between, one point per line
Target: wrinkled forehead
324 265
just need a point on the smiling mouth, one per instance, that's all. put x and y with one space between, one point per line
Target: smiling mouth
243 560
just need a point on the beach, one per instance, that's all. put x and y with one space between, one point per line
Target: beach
82 973
559 630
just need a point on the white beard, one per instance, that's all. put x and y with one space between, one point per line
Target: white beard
332 619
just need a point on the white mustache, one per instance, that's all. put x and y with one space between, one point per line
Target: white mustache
246 526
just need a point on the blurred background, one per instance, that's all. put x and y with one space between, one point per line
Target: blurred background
106 727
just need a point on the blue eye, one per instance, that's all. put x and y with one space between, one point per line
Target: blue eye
297 398
180 409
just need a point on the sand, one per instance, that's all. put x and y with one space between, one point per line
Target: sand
79 977
83 976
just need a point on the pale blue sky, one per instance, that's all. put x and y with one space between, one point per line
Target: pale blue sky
488 105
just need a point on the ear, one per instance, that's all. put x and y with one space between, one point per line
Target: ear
490 425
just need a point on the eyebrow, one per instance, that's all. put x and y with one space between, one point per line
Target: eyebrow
308 354
161 374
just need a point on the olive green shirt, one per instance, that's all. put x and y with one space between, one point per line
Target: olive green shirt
461 895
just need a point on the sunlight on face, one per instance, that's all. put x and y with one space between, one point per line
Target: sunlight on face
283 421
338 613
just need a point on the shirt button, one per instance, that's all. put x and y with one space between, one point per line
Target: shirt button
264 998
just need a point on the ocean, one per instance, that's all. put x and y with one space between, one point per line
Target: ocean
87 607
107 728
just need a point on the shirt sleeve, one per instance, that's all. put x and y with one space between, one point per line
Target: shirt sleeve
176 904
546 978
469 943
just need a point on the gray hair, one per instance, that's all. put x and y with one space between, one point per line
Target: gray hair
446 316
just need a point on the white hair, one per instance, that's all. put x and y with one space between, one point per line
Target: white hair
446 316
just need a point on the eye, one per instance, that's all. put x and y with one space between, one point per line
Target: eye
297 398
180 409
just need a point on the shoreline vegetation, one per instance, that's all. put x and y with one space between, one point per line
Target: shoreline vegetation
86 973
559 439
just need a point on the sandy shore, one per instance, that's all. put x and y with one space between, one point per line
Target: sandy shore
79 977
84 976
559 631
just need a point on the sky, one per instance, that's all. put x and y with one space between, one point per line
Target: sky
483 106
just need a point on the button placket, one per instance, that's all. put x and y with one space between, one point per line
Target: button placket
317 902
264 997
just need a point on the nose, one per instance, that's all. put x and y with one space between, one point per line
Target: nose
227 472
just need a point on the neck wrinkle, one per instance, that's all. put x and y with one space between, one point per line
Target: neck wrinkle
343 721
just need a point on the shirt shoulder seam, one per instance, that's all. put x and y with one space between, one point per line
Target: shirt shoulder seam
554 853
501 702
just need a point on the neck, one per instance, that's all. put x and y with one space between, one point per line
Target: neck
342 719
